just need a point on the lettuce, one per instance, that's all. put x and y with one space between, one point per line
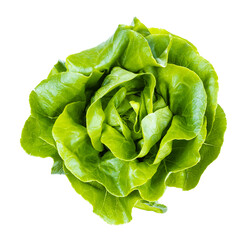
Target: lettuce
128 118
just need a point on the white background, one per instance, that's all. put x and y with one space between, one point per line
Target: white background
36 205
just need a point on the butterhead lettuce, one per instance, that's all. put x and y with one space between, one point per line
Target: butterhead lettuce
128 118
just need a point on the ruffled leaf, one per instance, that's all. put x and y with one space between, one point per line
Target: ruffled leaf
210 150
82 160
114 210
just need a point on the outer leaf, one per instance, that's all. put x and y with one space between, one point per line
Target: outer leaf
58 68
192 60
185 154
51 95
37 140
114 210
151 206
210 150
58 165
185 93
127 47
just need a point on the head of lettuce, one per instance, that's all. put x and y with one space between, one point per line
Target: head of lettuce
128 118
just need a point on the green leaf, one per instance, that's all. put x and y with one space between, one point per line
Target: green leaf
185 93
185 154
114 210
210 150
36 137
192 60
58 68
83 161
58 165
127 46
51 95
37 140
95 115
151 206
121 146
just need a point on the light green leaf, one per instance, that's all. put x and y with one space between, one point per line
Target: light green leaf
51 95
210 150
185 93
151 206
128 46
74 146
36 138
58 165
58 68
114 210
192 60
185 154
